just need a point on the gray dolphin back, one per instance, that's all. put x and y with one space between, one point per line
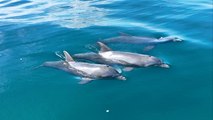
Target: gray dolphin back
86 70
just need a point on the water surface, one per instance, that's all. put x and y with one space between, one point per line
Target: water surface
32 30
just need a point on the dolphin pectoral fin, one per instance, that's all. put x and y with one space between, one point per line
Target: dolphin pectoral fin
148 48
128 69
121 77
164 65
124 34
118 69
68 57
85 80
104 48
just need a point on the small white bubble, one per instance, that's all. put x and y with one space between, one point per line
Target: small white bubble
107 111
21 59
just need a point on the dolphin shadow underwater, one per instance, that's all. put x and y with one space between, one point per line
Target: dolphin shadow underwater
128 60
87 71
149 42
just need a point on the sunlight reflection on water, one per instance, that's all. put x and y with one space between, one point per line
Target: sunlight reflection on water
66 13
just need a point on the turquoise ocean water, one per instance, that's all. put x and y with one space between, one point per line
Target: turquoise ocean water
31 31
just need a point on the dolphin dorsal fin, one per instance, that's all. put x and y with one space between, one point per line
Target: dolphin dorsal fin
124 34
68 57
103 47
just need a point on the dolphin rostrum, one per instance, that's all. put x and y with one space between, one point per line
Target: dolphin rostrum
127 59
87 71
149 41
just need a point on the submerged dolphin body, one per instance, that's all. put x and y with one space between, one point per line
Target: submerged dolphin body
125 38
86 71
127 59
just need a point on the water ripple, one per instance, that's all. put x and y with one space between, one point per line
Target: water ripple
66 13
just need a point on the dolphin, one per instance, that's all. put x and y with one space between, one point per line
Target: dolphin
94 57
86 71
127 59
148 41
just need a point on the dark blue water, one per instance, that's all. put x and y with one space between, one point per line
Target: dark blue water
31 31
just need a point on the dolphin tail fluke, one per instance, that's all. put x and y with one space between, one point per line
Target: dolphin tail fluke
68 57
103 47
